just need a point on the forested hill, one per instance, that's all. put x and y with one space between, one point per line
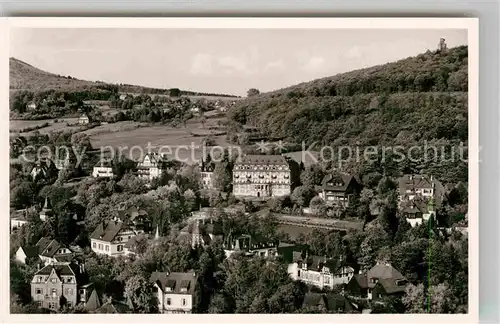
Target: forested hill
24 76
414 99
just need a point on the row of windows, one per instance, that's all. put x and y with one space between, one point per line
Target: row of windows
267 167
106 247
53 291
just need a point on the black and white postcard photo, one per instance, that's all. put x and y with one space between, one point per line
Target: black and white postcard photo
259 168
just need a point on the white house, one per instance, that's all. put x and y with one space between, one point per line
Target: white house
84 119
319 271
151 167
175 291
31 105
110 238
103 169
18 219
417 211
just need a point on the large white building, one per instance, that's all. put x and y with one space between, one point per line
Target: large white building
175 291
319 271
262 176
151 167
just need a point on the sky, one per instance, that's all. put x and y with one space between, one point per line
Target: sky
229 61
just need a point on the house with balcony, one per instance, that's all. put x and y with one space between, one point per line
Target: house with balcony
110 237
338 189
318 271
380 281
176 292
58 285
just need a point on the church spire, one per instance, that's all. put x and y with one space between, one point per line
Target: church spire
157 233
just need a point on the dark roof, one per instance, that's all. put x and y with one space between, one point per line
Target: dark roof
318 262
263 159
94 302
43 243
175 281
113 307
420 181
51 249
61 270
337 181
104 163
30 251
132 213
361 280
47 204
392 286
331 302
107 232
383 271
414 207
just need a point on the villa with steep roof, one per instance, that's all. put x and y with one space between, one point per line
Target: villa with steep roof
110 237
207 168
152 166
420 186
319 271
49 251
58 285
381 280
338 189
262 176
175 291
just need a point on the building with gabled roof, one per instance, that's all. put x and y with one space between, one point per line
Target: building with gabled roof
420 186
18 219
381 280
175 291
84 119
319 271
58 285
338 189
199 233
137 218
44 168
207 168
152 166
49 251
417 210
326 303
110 238
46 211
262 176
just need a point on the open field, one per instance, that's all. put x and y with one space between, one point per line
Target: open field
16 125
177 142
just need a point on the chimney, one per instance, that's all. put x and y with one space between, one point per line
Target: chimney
38 266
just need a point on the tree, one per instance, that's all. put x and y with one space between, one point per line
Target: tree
138 291
174 92
252 92
223 176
